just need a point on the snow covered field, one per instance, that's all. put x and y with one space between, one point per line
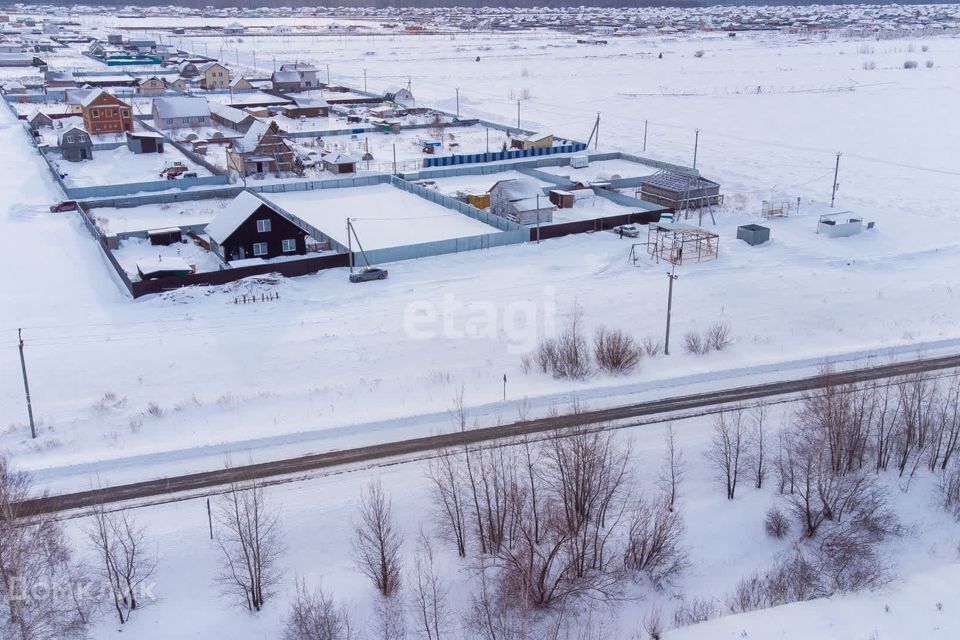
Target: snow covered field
331 364
122 166
382 216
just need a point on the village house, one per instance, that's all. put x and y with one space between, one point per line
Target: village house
231 117
307 107
262 150
144 142
39 119
339 162
307 74
214 75
233 29
401 96
285 81
152 86
533 141
59 79
250 228
177 84
187 69
520 200
180 112
241 84
75 144
105 113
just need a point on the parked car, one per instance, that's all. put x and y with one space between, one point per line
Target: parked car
66 205
628 230
370 273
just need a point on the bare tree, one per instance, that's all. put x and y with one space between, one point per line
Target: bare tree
445 472
727 449
377 541
249 538
126 560
673 469
430 593
653 541
35 569
758 417
315 616
390 622
653 623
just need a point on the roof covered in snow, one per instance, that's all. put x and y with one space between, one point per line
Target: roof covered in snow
228 113
233 215
181 107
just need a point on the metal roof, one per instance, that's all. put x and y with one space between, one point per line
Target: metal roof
678 181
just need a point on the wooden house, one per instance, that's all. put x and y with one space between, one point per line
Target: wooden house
248 227
39 119
262 150
105 113
228 116
307 107
177 84
241 84
400 95
75 144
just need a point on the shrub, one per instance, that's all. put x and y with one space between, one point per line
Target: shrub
924 48
717 336
776 523
929 64
910 64
693 343
698 53
651 346
155 410
695 612
567 355
615 351
869 65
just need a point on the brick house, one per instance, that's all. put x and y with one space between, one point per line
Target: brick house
105 113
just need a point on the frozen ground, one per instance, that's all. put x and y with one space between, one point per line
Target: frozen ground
157 216
382 216
133 250
122 166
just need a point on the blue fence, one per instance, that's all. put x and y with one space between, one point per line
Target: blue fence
498 156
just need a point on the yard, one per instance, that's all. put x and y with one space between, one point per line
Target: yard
157 216
122 166
382 216
133 250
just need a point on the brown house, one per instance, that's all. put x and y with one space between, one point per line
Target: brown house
248 227
262 150
105 113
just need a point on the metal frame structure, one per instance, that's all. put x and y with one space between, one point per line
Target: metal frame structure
679 243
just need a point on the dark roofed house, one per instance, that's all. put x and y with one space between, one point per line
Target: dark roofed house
400 95
75 144
250 228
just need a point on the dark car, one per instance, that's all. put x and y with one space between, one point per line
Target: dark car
370 273
66 205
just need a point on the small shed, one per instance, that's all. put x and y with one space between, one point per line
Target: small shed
520 200
753 234
40 119
339 162
165 237
679 190
75 144
533 141
563 199
144 142
163 267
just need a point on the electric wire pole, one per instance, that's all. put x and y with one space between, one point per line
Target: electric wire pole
836 172
696 144
666 341
518 114
26 385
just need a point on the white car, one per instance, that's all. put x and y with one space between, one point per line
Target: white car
628 230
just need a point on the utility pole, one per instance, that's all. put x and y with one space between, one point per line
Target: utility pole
458 102
666 341
488 140
696 144
210 518
328 74
394 158
364 80
518 114
836 172
350 244
504 387
596 143
645 123
538 218
26 385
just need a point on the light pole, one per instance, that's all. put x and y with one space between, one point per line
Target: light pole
670 277
836 173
